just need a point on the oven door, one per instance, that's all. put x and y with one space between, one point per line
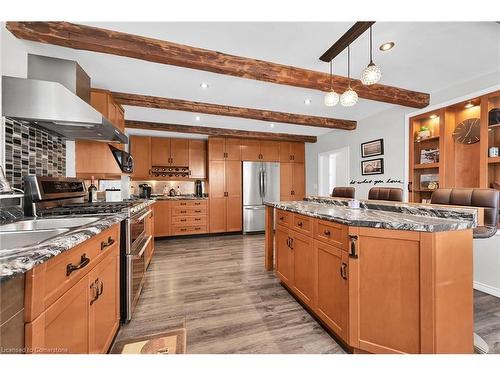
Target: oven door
136 270
137 229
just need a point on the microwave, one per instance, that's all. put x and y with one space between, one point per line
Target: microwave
124 159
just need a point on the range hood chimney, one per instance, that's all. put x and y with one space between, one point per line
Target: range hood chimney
56 97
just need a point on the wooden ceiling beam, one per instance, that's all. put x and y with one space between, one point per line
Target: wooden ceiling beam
345 40
219 132
163 52
225 110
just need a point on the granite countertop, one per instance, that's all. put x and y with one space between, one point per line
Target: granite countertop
375 218
14 262
178 198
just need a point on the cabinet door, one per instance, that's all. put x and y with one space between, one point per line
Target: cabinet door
250 150
160 151
330 286
198 158
286 179
269 151
179 152
298 152
285 152
298 181
233 148
217 196
384 292
120 118
104 301
216 148
303 266
94 159
233 196
64 326
284 260
161 218
140 148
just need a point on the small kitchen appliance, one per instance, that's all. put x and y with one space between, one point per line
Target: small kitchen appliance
144 191
198 188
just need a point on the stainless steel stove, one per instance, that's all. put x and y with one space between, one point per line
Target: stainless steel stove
64 196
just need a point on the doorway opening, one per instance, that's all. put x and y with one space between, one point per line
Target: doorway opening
333 170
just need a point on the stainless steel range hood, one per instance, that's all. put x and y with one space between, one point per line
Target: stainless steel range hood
52 105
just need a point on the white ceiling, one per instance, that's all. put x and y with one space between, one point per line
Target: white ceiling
427 57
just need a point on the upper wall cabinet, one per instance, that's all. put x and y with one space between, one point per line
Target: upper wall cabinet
255 150
198 158
140 148
103 101
292 152
169 152
222 148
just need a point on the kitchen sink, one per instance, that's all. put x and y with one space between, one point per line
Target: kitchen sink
14 240
52 223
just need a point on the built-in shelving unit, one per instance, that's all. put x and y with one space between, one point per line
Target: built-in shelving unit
462 163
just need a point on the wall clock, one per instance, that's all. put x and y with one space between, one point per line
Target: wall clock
468 131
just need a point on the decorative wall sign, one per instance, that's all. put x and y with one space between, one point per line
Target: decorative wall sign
372 148
373 166
375 182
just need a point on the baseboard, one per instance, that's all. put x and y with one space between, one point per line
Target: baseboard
487 289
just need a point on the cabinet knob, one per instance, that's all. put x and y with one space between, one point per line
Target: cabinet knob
282 218
326 232
300 224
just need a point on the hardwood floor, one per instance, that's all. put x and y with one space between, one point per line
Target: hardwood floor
217 288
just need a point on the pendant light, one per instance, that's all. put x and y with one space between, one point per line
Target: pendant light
372 73
349 97
331 97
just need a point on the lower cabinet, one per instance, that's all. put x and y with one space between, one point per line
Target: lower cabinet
76 308
161 218
180 217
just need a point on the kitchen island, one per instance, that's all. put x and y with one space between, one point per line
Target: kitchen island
386 278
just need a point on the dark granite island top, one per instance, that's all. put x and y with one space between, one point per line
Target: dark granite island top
384 215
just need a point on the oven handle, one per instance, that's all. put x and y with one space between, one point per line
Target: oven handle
139 254
142 216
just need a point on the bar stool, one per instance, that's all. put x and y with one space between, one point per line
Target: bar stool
386 194
485 198
343 192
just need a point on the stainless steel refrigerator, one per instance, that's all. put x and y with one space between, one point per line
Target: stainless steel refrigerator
261 182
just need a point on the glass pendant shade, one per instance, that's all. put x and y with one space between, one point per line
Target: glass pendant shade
349 98
331 99
371 74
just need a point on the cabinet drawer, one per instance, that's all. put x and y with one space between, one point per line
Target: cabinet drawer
284 218
189 211
190 203
189 229
48 281
332 233
190 220
302 224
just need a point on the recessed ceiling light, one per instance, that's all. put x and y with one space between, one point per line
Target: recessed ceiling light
386 46
197 118
433 116
271 125
307 101
204 85
469 105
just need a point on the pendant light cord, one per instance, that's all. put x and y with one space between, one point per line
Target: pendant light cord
349 64
371 46
331 69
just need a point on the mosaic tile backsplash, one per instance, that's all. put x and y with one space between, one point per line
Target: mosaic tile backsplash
30 150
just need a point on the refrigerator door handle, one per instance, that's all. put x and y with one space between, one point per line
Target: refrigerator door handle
261 190
264 186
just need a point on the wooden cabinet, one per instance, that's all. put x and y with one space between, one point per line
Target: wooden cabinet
225 196
103 101
189 217
292 152
222 148
72 301
95 159
303 266
179 152
255 150
160 151
198 158
104 289
161 218
292 181
284 260
169 152
140 148
331 287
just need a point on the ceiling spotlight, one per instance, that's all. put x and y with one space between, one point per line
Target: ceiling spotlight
372 73
433 116
197 118
469 105
307 101
271 125
386 46
331 97
204 85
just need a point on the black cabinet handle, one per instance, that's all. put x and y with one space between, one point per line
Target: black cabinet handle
95 292
282 218
343 270
327 232
101 290
107 244
300 224
354 249
83 262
